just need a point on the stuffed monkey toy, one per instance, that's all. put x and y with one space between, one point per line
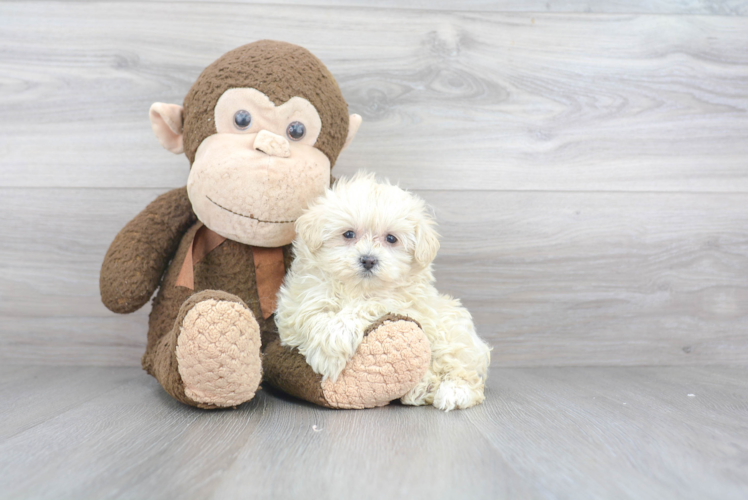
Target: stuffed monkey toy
262 127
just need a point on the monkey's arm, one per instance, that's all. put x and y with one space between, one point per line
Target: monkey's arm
139 254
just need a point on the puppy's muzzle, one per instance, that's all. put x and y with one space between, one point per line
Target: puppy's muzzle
368 262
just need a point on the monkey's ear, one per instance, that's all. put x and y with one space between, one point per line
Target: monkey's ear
166 122
427 242
353 124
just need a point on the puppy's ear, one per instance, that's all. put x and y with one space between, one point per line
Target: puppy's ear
309 229
427 242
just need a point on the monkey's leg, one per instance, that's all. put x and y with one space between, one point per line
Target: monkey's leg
211 357
391 360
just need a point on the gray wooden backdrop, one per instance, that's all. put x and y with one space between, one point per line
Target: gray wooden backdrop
588 163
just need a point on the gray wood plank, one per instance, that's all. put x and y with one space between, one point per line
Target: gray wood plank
393 452
551 278
511 101
672 7
117 442
109 340
623 432
136 443
542 433
30 395
577 278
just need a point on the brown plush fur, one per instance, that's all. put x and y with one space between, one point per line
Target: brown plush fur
287 370
136 262
138 256
280 70
150 249
230 267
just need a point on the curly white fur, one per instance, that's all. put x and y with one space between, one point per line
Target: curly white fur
329 297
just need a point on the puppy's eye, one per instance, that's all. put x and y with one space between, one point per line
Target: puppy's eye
391 239
349 234
242 119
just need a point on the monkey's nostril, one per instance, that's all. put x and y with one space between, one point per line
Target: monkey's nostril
368 262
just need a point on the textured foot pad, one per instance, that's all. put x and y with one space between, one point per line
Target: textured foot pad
218 353
390 361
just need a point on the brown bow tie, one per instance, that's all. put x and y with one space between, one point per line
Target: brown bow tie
270 268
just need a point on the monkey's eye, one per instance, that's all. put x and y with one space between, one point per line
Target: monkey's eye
295 131
349 235
242 119
391 239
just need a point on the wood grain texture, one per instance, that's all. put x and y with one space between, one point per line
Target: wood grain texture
542 433
137 442
672 7
623 432
451 100
597 217
31 395
551 278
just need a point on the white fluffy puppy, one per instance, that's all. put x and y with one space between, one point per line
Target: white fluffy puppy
364 249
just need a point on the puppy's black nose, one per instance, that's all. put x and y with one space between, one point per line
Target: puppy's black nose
368 262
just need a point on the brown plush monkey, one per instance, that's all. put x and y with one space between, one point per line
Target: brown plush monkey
262 127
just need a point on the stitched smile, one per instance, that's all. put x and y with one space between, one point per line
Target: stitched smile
250 216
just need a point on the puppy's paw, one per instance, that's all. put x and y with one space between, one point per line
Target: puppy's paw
423 393
330 356
457 394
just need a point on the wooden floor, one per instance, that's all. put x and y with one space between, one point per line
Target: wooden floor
640 433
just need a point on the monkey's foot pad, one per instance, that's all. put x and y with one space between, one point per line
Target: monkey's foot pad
390 361
218 353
